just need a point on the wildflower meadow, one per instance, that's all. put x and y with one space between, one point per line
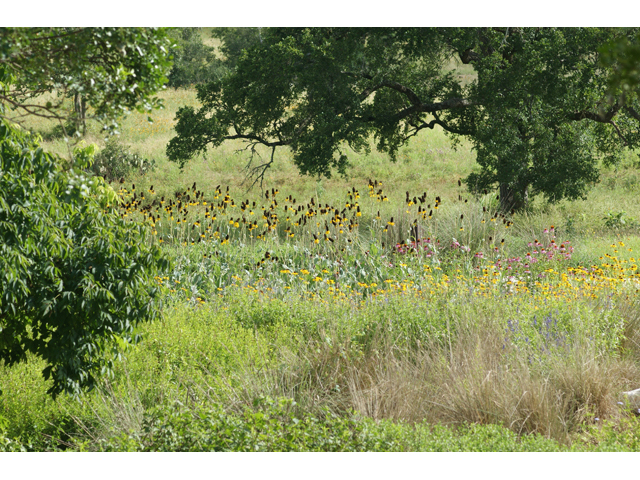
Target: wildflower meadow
390 310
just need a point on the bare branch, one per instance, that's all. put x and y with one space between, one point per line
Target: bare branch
258 171
36 110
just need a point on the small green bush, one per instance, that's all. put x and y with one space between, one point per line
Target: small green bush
619 220
477 438
75 277
117 161
270 426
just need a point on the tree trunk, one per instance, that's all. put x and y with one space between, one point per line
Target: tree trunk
513 198
80 107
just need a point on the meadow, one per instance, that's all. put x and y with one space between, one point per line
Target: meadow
389 310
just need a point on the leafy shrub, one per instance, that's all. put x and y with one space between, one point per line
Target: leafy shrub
618 220
7 444
75 277
424 437
270 426
117 161
263 314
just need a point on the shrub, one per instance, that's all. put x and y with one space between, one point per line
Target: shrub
270 426
117 161
76 278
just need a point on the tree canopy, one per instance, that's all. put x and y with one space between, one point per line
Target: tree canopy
75 277
113 69
193 61
536 113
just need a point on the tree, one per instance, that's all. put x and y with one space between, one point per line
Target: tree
193 61
235 40
622 55
536 113
111 70
75 277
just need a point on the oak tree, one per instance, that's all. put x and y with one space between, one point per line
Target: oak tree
536 111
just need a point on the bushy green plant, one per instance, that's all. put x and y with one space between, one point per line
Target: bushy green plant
271 425
7 444
610 436
116 161
75 276
467 438
618 220
10 445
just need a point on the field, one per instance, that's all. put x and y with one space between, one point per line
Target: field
387 311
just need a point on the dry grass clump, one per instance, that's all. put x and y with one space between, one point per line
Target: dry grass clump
554 399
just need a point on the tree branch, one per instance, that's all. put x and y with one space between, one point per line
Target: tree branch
433 107
469 56
600 117
410 94
435 122
251 172
619 133
31 109
258 139
416 104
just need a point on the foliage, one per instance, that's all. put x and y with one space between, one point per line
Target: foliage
193 61
607 436
115 70
469 438
532 112
270 426
235 40
75 276
617 220
623 55
273 425
116 161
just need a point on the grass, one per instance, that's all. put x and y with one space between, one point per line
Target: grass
369 338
